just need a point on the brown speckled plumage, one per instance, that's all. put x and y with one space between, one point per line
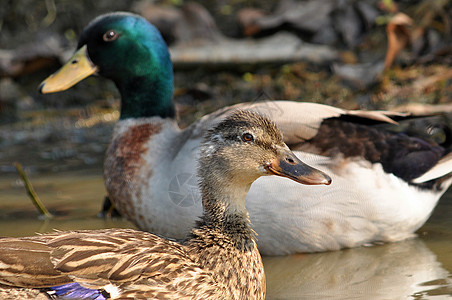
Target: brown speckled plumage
218 260
7 293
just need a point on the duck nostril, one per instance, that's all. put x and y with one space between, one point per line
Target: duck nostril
290 160
74 61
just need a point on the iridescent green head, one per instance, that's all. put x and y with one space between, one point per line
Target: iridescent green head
127 49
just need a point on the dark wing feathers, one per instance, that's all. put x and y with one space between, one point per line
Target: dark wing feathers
405 156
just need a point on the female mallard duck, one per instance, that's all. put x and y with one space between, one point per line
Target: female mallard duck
385 182
219 259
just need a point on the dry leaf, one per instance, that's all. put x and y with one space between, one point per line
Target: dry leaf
399 34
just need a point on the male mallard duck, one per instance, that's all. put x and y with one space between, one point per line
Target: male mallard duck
375 196
219 259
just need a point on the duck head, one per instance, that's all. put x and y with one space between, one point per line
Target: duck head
236 152
245 146
127 49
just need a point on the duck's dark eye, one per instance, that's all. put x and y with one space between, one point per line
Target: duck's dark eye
247 137
110 36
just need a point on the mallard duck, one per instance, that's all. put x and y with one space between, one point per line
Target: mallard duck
218 260
386 182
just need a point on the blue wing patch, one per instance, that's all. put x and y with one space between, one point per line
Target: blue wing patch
74 290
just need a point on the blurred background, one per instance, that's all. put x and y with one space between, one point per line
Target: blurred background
372 54
224 52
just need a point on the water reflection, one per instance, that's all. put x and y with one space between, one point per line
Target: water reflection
73 198
403 270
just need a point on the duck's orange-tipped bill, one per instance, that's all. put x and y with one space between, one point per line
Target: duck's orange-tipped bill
78 67
288 165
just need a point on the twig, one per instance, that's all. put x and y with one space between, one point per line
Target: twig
31 192
51 13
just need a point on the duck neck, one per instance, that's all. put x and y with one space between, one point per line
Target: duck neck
224 242
225 212
147 95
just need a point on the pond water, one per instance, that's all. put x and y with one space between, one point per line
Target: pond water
71 185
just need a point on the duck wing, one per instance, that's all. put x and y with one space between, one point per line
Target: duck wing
26 263
121 262
442 168
298 120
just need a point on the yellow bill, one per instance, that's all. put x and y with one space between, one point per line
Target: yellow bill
76 69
